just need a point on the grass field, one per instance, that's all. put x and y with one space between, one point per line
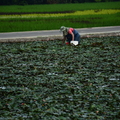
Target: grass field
60 7
29 24
48 17
48 81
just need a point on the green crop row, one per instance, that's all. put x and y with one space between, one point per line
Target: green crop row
29 18
60 7
78 13
49 23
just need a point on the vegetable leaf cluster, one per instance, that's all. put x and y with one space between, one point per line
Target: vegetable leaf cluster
47 81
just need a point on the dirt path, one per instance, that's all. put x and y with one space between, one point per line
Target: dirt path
55 34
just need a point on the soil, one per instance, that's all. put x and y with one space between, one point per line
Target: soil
57 37
21 13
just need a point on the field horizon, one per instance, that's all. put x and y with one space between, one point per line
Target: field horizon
49 17
59 7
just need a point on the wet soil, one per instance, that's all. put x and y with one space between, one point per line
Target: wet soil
21 13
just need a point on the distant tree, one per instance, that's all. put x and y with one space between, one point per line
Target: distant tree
24 2
74 1
62 1
14 2
69 1
52 1
40 1
108 0
97 0
80 1
44 1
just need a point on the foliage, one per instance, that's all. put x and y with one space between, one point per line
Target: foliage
47 81
58 14
25 2
58 7
51 23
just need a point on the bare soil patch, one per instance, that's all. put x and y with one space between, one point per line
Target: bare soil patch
21 13
57 37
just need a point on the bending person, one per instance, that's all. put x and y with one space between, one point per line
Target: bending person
70 34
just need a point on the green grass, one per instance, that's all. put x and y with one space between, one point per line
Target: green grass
50 23
30 24
60 7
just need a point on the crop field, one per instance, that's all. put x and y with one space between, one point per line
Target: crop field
48 81
49 17
59 7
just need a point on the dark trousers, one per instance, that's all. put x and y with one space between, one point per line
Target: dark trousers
76 36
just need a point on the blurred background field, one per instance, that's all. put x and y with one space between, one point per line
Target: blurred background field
59 7
48 17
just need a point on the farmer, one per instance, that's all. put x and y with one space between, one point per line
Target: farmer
70 34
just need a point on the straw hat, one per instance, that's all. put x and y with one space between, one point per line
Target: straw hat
64 30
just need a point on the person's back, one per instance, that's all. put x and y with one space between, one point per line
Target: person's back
70 34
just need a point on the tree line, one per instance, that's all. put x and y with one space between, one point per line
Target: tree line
32 2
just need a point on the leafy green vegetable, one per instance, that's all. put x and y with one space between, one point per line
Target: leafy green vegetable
45 80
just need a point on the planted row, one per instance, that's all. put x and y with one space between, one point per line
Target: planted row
46 80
